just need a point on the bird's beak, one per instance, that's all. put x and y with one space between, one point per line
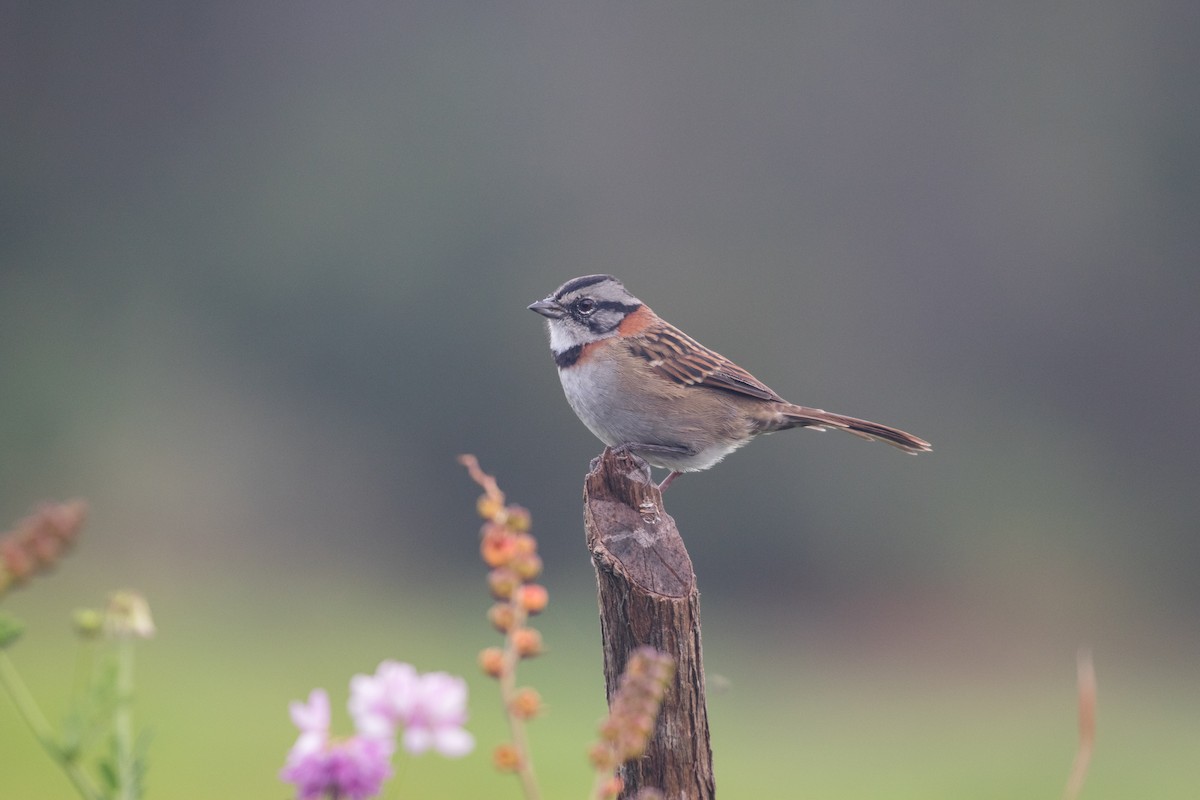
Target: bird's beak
548 308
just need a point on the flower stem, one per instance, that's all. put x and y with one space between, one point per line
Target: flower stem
10 679
508 691
127 778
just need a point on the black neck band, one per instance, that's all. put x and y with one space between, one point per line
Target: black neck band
568 357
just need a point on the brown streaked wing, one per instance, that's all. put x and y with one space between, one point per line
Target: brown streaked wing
675 355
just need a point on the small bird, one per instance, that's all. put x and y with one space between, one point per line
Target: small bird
641 384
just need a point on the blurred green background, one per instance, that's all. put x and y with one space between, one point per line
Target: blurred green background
263 270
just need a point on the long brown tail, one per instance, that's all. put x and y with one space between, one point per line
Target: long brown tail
802 417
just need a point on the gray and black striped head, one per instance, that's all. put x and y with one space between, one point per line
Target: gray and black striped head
585 309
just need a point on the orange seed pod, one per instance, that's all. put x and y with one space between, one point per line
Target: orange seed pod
526 703
506 758
528 642
491 661
502 617
533 597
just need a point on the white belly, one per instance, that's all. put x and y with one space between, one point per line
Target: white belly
616 418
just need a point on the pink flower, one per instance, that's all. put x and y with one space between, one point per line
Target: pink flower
379 702
312 720
431 708
353 768
437 717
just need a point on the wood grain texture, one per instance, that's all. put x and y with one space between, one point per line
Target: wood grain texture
648 596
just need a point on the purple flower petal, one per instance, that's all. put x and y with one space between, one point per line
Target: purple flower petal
353 768
453 742
313 715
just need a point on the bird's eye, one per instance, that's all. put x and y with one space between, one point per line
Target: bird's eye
585 305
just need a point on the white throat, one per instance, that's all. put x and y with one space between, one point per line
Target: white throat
564 336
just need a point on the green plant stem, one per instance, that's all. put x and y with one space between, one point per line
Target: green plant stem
127 778
10 679
508 691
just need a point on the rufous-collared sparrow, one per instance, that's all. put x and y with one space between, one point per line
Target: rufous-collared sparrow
640 383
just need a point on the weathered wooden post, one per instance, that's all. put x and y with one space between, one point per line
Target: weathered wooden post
648 596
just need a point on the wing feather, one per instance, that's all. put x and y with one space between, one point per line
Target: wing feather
673 354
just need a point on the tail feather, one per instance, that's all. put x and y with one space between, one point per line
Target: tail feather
815 418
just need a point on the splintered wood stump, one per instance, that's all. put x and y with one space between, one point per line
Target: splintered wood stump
648 596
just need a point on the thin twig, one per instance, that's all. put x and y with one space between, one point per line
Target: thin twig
516 725
493 509
1086 679
490 487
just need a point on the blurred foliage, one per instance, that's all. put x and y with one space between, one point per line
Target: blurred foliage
263 273
786 721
